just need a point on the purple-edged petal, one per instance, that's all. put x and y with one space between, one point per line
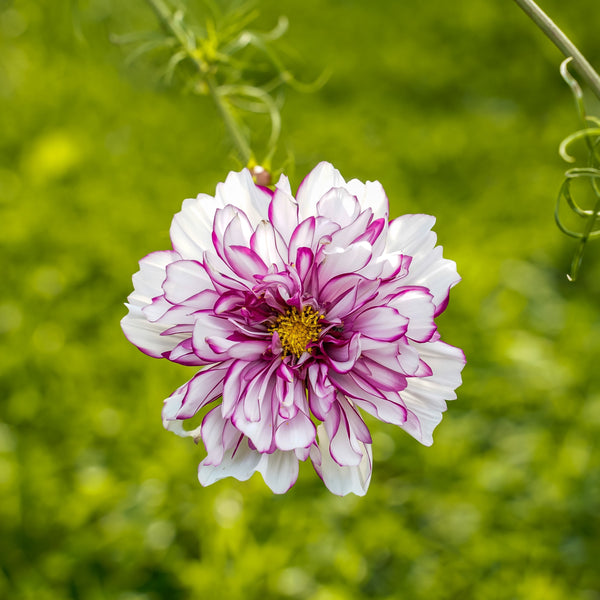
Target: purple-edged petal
204 388
206 327
345 429
412 235
341 355
381 323
264 243
245 262
385 406
321 392
417 305
336 261
297 432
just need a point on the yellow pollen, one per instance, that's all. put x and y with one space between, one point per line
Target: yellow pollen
297 330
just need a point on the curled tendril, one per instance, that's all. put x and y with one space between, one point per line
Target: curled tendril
237 66
590 174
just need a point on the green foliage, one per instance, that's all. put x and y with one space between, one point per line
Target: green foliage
456 108
590 174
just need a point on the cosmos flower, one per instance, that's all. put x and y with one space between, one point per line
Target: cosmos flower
301 314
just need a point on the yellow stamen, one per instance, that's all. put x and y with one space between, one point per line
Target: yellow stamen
297 330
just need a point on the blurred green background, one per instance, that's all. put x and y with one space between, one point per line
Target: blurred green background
457 108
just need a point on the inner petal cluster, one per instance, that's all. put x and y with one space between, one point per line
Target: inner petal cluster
297 330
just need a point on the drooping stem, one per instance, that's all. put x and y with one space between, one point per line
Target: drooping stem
563 43
174 27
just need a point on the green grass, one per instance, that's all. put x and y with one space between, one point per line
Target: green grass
457 108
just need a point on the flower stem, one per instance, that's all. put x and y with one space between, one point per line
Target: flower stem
563 43
187 42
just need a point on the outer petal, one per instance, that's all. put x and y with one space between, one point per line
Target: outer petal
341 480
370 195
184 279
297 432
239 462
315 185
425 397
339 206
279 470
191 229
147 283
240 190
411 235
203 388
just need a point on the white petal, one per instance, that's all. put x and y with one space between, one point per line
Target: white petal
342 480
337 261
417 306
240 190
297 432
339 206
147 336
147 282
283 214
184 279
370 195
284 184
191 229
264 243
425 397
239 462
411 235
279 470
315 185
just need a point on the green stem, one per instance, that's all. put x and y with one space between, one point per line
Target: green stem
230 123
169 22
563 43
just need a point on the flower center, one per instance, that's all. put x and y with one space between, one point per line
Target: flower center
297 330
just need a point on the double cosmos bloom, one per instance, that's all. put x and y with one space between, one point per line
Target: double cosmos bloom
301 313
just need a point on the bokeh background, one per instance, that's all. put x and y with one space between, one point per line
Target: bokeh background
457 108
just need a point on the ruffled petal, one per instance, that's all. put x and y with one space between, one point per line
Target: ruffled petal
370 195
147 336
314 186
412 235
417 305
425 397
297 432
339 206
240 190
185 279
382 323
239 462
191 229
341 480
279 470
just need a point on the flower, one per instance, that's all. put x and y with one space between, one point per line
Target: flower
301 312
